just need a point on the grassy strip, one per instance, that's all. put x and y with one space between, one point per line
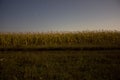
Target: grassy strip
60 65
60 48
70 40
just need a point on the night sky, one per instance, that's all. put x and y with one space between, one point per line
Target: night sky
59 15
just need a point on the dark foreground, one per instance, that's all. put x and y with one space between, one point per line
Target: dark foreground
60 65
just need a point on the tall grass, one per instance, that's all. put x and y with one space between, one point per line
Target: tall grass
57 39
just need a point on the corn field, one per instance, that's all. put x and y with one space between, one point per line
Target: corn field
56 39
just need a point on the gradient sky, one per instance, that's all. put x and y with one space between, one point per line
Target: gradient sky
59 15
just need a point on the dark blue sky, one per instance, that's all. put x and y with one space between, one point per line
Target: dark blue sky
59 15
